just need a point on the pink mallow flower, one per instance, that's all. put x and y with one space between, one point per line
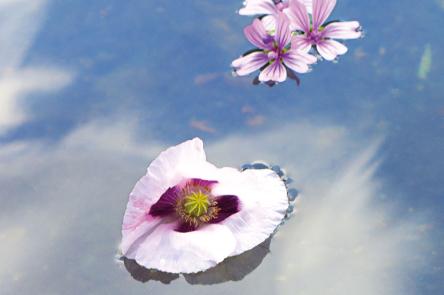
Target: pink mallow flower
185 215
269 7
315 33
274 54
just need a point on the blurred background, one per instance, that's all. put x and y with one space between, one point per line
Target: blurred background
92 91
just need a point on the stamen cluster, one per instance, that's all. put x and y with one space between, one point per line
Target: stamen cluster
196 205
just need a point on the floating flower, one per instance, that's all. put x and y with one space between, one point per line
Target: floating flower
275 55
185 215
266 7
307 28
318 34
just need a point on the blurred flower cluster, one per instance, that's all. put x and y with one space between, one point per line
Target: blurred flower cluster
290 36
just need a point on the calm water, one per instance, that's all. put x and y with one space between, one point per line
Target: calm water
91 91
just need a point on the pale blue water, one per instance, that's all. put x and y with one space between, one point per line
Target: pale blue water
91 91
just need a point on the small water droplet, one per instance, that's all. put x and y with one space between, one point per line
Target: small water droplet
292 194
246 166
260 165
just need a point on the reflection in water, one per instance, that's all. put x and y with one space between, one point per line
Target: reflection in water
231 269
141 274
19 79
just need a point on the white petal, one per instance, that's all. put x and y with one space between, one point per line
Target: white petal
263 199
132 238
171 251
330 49
269 22
298 61
186 160
300 43
343 30
254 7
308 4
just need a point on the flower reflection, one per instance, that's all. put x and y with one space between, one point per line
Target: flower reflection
231 269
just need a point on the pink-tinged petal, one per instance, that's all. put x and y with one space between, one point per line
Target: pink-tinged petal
275 72
321 11
308 4
298 61
258 36
132 238
171 251
255 7
184 161
298 15
228 205
301 43
263 200
330 49
342 30
248 64
283 33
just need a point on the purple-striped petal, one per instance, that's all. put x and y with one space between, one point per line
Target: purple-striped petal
300 43
283 33
275 72
298 61
258 36
330 49
166 204
342 30
247 64
321 11
308 4
255 7
228 205
298 16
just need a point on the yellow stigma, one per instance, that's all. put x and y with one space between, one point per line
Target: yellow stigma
196 204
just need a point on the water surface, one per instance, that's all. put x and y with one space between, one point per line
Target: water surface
92 91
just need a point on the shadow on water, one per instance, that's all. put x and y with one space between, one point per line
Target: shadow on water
231 269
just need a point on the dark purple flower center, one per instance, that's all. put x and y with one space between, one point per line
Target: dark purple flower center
314 37
193 205
277 53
